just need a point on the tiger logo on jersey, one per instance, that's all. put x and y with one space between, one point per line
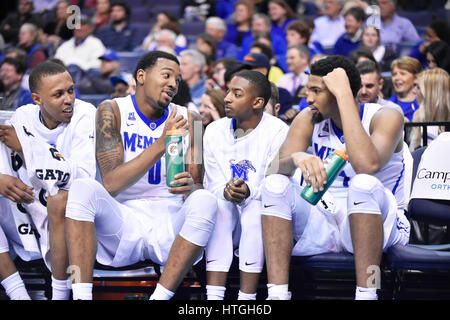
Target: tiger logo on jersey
241 169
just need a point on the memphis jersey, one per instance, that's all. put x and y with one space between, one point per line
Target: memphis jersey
327 137
247 157
138 133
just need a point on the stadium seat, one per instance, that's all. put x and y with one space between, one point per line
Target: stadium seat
414 259
140 14
95 99
128 61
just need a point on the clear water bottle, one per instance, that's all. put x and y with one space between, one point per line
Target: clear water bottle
334 164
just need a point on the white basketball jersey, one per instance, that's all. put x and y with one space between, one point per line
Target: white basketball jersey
138 133
327 137
247 157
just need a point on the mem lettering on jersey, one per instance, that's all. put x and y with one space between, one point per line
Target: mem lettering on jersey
241 169
133 141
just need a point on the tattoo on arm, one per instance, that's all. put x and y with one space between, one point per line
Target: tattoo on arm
108 147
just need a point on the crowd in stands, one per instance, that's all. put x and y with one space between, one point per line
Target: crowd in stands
290 34
402 64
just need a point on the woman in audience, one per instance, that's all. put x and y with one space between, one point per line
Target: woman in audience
433 96
404 75
57 29
101 15
437 30
164 20
438 55
212 106
243 14
281 15
382 54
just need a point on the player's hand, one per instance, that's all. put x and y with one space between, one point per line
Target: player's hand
175 121
186 182
312 168
8 136
337 82
15 190
236 190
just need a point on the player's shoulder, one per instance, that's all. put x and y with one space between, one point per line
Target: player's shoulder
216 126
274 122
26 110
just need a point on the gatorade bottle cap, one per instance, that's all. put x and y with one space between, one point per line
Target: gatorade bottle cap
174 132
342 154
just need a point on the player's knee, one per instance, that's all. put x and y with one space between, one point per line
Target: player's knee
209 204
275 184
82 198
364 183
201 217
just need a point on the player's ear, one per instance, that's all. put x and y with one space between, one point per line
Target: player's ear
36 98
258 103
140 77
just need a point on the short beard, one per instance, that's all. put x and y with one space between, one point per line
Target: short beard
318 117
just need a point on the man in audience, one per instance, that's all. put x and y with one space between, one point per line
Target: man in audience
12 94
83 49
329 27
350 40
372 84
395 29
99 82
297 61
192 65
119 35
217 28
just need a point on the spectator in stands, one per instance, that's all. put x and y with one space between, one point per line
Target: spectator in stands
165 20
395 29
12 94
207 45
83 49
299 32
212 106
166 38
298 62
281 15
329 27
217 28
361 54
98 82
372 85
384 55
56 29
10 27
119 35
437 30
258 62
275 71
242 21
101 14
351 39
433 96
29 41
17 53
120 85
192 64
217 79
438 55
273 105
404 73
261 26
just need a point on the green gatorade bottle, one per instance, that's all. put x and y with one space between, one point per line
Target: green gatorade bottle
334 164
